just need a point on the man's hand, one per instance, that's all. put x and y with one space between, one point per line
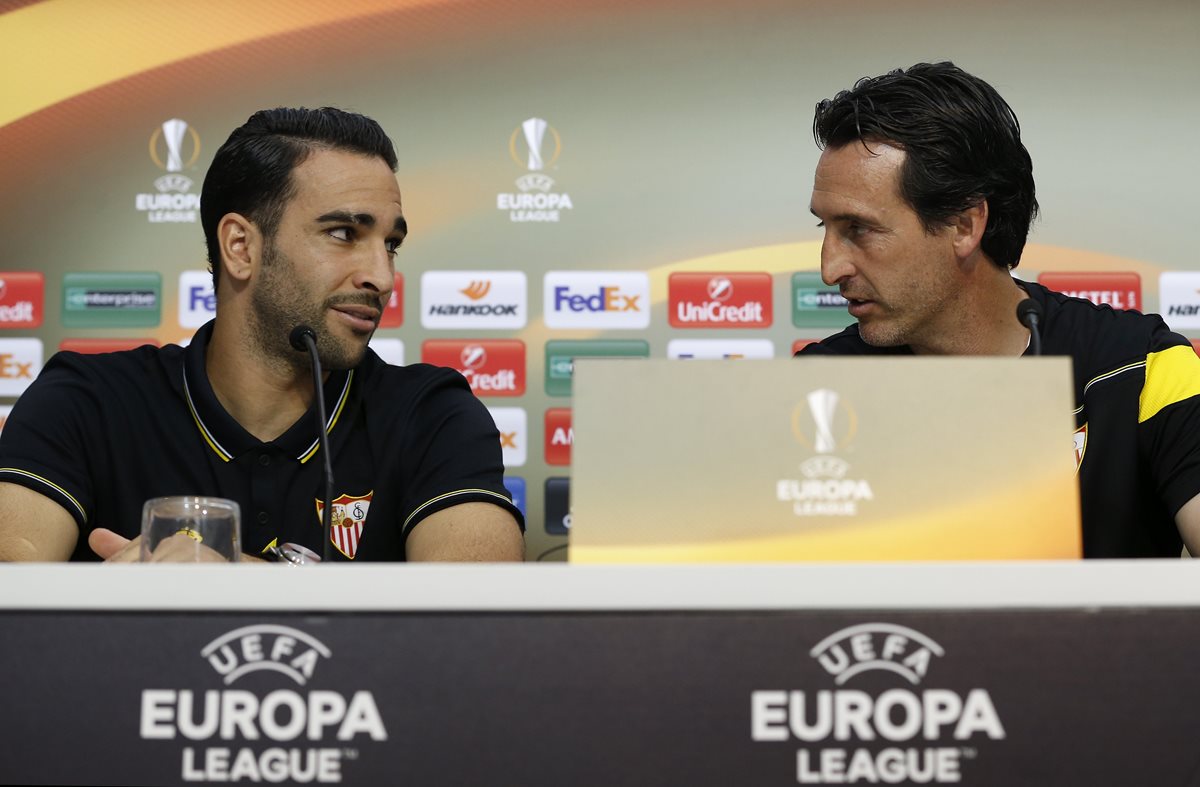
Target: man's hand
179 548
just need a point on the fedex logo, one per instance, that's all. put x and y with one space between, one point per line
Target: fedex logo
708 349
1118 290
720 300
514 432
493 367
559 436
197 300
22 296
596 299
20 363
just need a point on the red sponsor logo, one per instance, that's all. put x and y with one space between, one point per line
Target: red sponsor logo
559 436
1118 290
92 346
347 519
21 299
1196 345
393 312
493 367
720 300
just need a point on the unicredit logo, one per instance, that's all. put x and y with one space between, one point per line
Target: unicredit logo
706 300
492 367
21 299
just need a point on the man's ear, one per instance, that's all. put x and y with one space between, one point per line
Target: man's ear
968 229
241 246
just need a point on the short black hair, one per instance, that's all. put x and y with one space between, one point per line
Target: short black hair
251 173
962 143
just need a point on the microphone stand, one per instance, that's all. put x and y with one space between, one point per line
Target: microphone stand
303 337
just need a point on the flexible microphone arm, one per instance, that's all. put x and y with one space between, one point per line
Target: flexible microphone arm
1029 312
304 338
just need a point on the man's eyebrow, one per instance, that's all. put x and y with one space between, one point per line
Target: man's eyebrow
346 217
854 218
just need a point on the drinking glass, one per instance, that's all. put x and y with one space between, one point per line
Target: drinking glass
191 529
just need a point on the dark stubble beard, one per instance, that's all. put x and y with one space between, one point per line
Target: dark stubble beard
280 302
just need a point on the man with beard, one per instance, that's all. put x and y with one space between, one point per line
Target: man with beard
302 218
925 194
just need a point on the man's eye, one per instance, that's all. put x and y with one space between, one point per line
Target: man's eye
341 233
393 245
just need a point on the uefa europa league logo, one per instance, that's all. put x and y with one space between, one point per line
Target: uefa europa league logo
172 133
822 403
534 131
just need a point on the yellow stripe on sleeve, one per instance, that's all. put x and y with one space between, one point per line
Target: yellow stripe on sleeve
1172 375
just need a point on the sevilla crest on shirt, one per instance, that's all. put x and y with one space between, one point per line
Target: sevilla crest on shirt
347 519
1080 446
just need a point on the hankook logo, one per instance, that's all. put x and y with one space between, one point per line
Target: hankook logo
477 290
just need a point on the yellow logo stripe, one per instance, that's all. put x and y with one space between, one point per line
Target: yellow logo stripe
1172 375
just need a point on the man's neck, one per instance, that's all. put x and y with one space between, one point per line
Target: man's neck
982 320
265 396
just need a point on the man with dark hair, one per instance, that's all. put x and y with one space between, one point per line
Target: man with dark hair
926 195
302 218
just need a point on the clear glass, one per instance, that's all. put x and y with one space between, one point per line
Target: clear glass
187 529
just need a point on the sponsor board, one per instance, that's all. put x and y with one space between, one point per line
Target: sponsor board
876 720
393 311
561 355
816 304
1120 290
493 367
5 410
559 436
260 721
20 364
391 351
1179 299
95 346
516 488
535 146
197 299
558 506
512 424
717 349
112 300
474 299
174 148
22 299
596 299
719 300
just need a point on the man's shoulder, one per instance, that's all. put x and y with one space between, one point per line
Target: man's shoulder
132 367
398 384
1098 337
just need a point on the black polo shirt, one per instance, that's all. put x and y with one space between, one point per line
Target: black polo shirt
1137 418
101 434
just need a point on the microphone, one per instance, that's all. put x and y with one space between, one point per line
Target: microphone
303 338
1029 313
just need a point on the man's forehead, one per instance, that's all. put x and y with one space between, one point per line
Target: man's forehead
856 172
347 182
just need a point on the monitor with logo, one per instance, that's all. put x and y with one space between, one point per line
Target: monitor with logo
823 459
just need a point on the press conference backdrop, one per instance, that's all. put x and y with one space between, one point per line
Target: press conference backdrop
580 178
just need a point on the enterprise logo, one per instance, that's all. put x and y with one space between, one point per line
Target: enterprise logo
816 304
720 300
112 300
596 299
473 299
